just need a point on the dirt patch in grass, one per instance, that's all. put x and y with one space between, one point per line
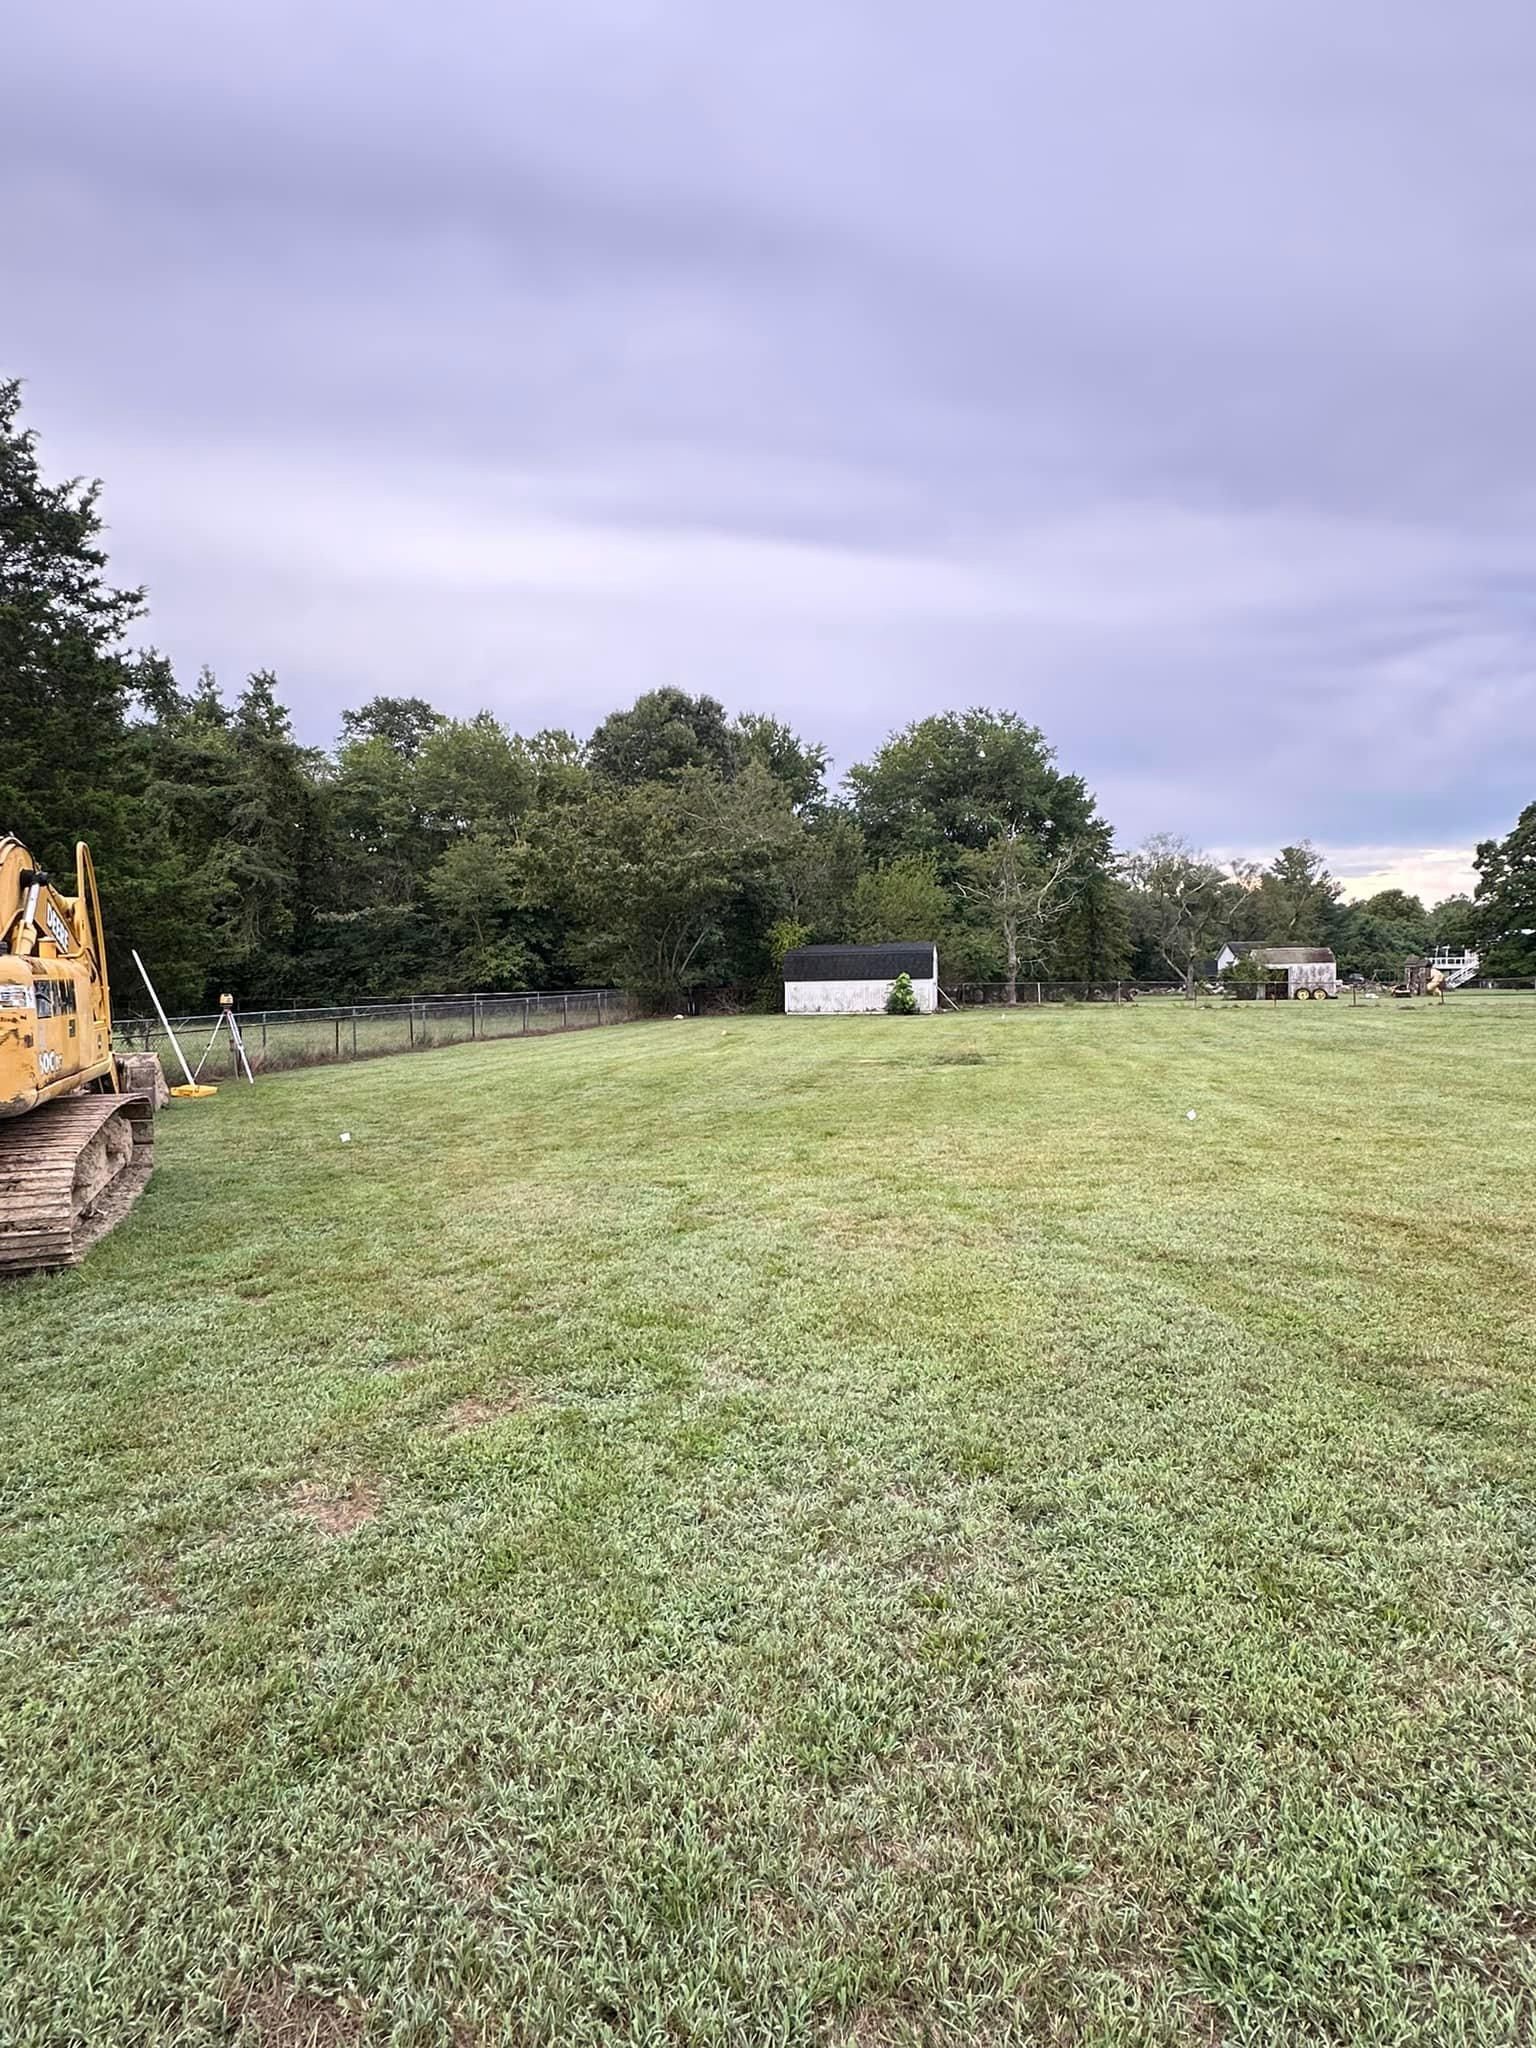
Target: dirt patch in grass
878 2027
281 2016
157 1592
966 1058
477 1412
726 1375
400 1365
334 1510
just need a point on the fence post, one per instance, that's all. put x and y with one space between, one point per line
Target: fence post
263 1032
525 1016
410 1020
565 1013
338 1038
354 1031
600 1017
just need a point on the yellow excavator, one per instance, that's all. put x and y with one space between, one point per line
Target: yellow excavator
76 1147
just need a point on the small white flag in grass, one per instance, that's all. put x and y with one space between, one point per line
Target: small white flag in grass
1190 1114
346 1136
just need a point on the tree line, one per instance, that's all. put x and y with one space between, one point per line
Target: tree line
672 848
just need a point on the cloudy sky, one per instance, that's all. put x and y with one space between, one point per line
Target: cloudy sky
1163 372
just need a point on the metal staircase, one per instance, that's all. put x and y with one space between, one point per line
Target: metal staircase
1458 964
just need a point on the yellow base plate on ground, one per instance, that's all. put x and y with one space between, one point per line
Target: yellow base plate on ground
202 1089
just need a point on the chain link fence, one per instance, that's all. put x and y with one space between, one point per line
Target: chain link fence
968 995
749 998
358 1031
971 995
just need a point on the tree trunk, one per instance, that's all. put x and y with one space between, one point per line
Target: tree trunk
1011 941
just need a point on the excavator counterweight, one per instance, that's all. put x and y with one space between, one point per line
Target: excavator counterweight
75 1148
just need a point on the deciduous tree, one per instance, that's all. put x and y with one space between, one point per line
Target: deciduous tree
1180 900
1376 935
901 900
1505 899
661 736
656 878
1024 893
948 785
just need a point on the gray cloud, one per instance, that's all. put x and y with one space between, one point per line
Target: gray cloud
1162 373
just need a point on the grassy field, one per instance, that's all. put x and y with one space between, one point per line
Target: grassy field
858 1531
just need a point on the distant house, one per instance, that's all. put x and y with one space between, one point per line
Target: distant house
845 981
1309 969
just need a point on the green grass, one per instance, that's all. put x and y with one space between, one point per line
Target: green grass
790 1531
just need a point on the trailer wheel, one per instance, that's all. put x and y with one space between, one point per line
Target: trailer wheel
1301 995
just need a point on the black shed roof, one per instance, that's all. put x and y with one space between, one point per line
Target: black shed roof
859 963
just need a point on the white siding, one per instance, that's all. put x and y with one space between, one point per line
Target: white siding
1313 974
851 998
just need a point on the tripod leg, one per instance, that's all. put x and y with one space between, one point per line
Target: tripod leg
208 1048
234 1032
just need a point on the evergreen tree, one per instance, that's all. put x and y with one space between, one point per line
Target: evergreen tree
1298 900
66 685
273 859
1092 942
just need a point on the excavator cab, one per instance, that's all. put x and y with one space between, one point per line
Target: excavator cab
55 1006
75 1151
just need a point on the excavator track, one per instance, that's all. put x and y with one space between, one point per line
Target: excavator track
68 1173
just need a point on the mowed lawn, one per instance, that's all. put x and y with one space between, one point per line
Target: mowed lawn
859 1531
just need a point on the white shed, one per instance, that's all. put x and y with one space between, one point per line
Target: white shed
844 981
1309 970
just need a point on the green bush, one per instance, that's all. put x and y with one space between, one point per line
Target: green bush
1245 978
902 1000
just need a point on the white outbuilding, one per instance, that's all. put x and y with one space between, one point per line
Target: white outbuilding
847 981
1289 971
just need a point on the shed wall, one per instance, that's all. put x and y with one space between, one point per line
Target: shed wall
851 998
1312 974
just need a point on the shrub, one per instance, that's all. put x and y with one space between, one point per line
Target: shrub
902 1000
1245 973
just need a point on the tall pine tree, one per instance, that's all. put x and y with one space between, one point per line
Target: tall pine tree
65 683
